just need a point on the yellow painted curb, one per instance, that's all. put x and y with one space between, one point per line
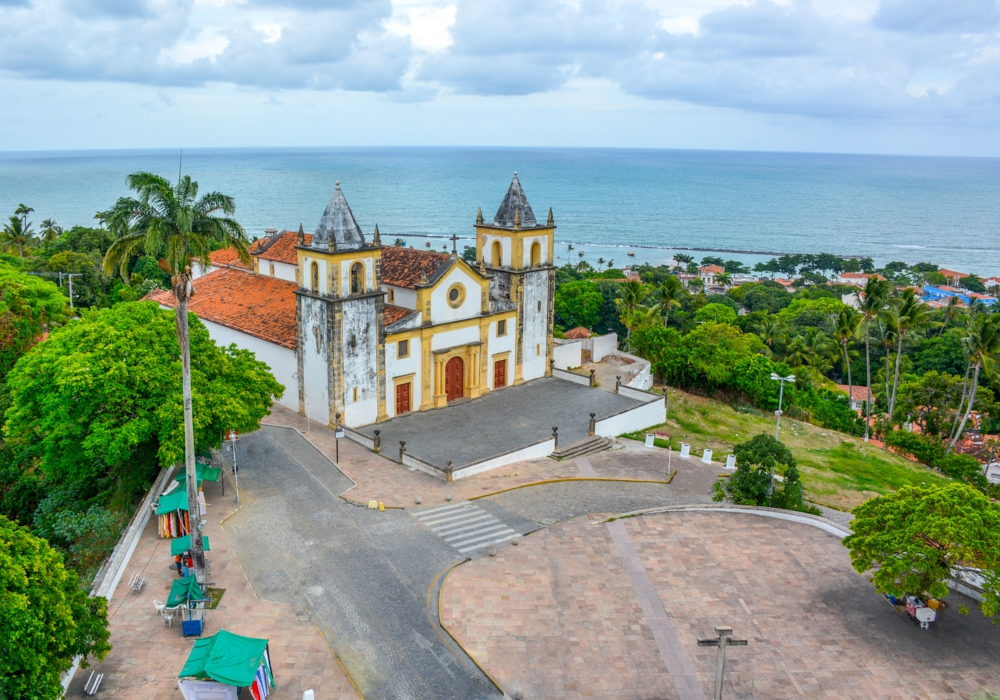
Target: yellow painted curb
572 478
365 505
339 662
454 638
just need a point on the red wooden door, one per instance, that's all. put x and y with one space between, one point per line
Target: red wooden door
402 398
499 374
454 385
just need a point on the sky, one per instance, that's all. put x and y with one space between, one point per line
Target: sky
860 76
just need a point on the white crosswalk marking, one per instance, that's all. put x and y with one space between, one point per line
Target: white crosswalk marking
465 527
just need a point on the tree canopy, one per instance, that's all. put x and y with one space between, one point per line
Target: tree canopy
29 307
913 538
46 618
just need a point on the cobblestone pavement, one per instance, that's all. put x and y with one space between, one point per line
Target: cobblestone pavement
364 575
147 656
557 616
500 421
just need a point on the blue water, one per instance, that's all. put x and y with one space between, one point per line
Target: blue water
606 201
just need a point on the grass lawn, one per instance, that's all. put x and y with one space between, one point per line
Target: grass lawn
837 470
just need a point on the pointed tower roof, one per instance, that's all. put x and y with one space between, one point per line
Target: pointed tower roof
515 202
338 225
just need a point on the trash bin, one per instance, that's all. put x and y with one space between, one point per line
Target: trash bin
685 450
706 456
649 440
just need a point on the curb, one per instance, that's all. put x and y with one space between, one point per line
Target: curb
794 516
571 478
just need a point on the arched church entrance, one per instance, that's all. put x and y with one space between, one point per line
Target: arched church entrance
454 378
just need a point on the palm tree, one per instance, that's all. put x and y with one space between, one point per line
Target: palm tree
723 278
845 330
50 230
983 342
911 314
175 222
600 261
798 352
17 235
628 304
875 295
771 330
671 291
23 210
569 248
949 313
611 263
682 259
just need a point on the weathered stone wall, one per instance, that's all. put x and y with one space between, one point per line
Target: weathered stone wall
360 352
535 327
313 346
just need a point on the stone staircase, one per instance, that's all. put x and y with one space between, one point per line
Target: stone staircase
581 448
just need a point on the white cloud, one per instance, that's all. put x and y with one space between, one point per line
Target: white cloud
427 26
208 44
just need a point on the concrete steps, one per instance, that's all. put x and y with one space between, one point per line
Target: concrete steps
582 448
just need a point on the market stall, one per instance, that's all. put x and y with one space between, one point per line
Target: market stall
172 513
204 472
230 660
182 545
186 593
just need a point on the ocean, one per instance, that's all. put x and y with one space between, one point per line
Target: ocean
606 202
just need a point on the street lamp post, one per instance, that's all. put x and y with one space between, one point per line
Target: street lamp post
781 395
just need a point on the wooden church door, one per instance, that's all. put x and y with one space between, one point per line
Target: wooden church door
454 384
499 374
402 398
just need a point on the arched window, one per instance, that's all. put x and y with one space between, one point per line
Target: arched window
314 278
357 278
536 254
497 255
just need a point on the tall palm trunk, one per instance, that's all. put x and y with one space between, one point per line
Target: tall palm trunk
183 290
961 402
850 387
868 372
968 408
895 378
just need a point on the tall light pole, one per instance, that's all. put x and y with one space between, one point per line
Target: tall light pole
781 394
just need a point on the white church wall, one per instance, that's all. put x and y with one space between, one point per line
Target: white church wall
505 250
401 296
360 348
280 359
407 323
442 311
314 359
499 345
459 336
536 301
400 367
345 273
198 271
307 273
543 241
283 271
568 355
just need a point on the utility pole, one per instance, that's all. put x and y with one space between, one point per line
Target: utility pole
722 641
781 395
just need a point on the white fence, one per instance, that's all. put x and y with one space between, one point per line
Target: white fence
571 377
536 451
567 354
652 413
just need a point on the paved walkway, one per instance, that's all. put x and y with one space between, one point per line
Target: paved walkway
559 616
500 421
146 658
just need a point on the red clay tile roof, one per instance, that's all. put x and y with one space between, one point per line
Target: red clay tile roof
227 257
401 267
858 393
282 247
577 333
713 269
860 275
394 313
261 306
952 273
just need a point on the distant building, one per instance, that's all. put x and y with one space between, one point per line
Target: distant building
578 333
944 293
991 282
858 394
708 273
952 275
858 279
853 300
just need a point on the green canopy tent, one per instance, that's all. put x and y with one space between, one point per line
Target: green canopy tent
175 500
184 588
227 658
183 544
204 472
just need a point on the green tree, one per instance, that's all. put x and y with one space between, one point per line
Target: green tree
102 388
845 331
29 308
175 222
973 284
757 460
713 350
17 235
983 343
876 296
911 540
50 230
578 303
682 259
764 297
469 254
715 313
633 293
670 292
46 619
911 315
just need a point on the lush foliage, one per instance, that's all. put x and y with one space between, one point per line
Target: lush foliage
578 303
29 307
46 618
757 460
912 539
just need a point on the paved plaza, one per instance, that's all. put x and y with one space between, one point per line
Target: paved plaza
500 422
560 617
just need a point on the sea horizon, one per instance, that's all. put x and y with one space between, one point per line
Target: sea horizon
608 202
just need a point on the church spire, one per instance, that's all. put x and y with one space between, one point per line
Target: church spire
376 240
517 219
302 235
515 201
551 221
479 216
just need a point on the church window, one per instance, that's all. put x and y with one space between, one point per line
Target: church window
357 278
456 295
538 349
314 274
536 254
497 255
539 307
355 393
501 328
403 349
272 269
392 296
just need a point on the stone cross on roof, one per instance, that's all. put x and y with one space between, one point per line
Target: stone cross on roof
515 201
338 226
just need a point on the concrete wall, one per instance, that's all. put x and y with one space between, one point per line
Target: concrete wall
499 346
306 282
570 377
568 354
279 359
315 346
360 361
652 413
536 451
536 328
198 271
505 246
399 367
407 298
602 345
442 311
458 336
543 242
282 271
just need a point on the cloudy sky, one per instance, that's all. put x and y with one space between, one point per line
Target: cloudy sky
883 76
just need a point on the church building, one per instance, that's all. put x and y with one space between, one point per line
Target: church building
370 331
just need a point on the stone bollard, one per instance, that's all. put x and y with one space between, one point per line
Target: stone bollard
447 472
377 447
555 437
650 440
402 449
685 450
593 377
730 461
592 429
706 456
618 384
